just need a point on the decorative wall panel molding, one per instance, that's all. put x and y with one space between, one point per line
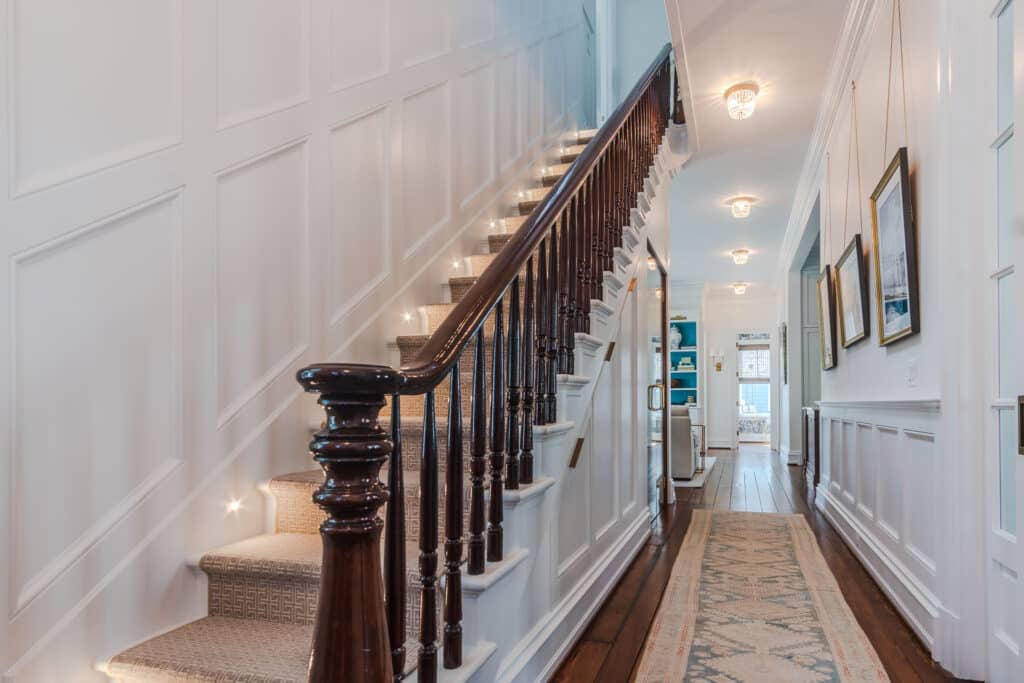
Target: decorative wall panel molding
359 41
880 488
360 221
262 265
474 145
134 107
425 191
99 428
257 76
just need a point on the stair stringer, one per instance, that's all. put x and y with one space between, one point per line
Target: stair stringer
523 606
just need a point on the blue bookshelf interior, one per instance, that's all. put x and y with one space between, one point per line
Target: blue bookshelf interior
683 361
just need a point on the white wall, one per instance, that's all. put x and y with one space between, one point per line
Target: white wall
725 315
201 197
924 392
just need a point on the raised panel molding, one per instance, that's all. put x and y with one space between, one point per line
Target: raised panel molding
359 41
509 109
257 76
884 495
262 286
359 217
534 92
475 21
424 30
101 429
424 166
554 80
55 134
474 143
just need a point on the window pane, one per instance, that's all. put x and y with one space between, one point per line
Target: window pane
1008 470
1004 201
1004 75
1007 347
755 363
755 399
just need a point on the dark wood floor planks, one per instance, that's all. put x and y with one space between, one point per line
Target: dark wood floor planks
752 479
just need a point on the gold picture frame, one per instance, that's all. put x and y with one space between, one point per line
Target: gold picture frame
852 295
897 299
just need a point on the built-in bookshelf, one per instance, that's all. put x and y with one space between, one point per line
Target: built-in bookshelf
683 362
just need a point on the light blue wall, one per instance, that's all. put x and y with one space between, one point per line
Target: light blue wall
641 29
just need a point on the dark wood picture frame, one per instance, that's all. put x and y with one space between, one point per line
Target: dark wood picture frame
827 327
904 304
853 257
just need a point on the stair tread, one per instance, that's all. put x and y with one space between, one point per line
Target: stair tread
226 650
220 649
282 556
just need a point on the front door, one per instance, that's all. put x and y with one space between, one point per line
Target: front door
1005 465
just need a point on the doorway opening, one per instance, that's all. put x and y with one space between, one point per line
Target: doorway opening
754 388
659 490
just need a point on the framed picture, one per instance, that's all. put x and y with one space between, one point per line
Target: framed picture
827 319
784 349
852 294
892 222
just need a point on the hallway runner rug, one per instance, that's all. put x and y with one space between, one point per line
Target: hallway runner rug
752 600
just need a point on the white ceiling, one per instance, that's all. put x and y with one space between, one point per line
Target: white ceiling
786 47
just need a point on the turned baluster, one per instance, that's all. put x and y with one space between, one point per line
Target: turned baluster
571 245
495 540
562 352
582 256
597 235
350 638
527 369
427 667
478 457
551 318
453 528
541 342
394 544
513 380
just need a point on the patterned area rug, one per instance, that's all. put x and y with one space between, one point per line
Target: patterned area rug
751 600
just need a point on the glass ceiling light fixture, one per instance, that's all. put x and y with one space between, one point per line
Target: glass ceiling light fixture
741 206
740 288
740 256
741 99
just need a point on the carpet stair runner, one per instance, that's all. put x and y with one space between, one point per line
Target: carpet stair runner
262 593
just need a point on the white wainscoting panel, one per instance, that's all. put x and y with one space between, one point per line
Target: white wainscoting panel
426 172
124 318
263 55
359 209
199 199
76 109
262 281
880 490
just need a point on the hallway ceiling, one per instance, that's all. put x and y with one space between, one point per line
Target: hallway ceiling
786 47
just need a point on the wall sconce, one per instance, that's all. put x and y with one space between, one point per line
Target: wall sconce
717 358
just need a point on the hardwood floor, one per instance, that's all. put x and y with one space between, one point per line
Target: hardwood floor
752 480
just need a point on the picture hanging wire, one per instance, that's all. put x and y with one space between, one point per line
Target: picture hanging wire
854 147
897 24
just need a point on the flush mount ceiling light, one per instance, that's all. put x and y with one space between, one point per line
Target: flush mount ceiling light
741 99
740 288
740 256
741 206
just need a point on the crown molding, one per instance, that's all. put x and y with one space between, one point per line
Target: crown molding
844 60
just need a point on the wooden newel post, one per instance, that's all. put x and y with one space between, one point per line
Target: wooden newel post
350 640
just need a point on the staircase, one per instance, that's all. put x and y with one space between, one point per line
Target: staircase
507 370
262 594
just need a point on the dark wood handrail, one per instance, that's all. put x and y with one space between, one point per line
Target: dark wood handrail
431 365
